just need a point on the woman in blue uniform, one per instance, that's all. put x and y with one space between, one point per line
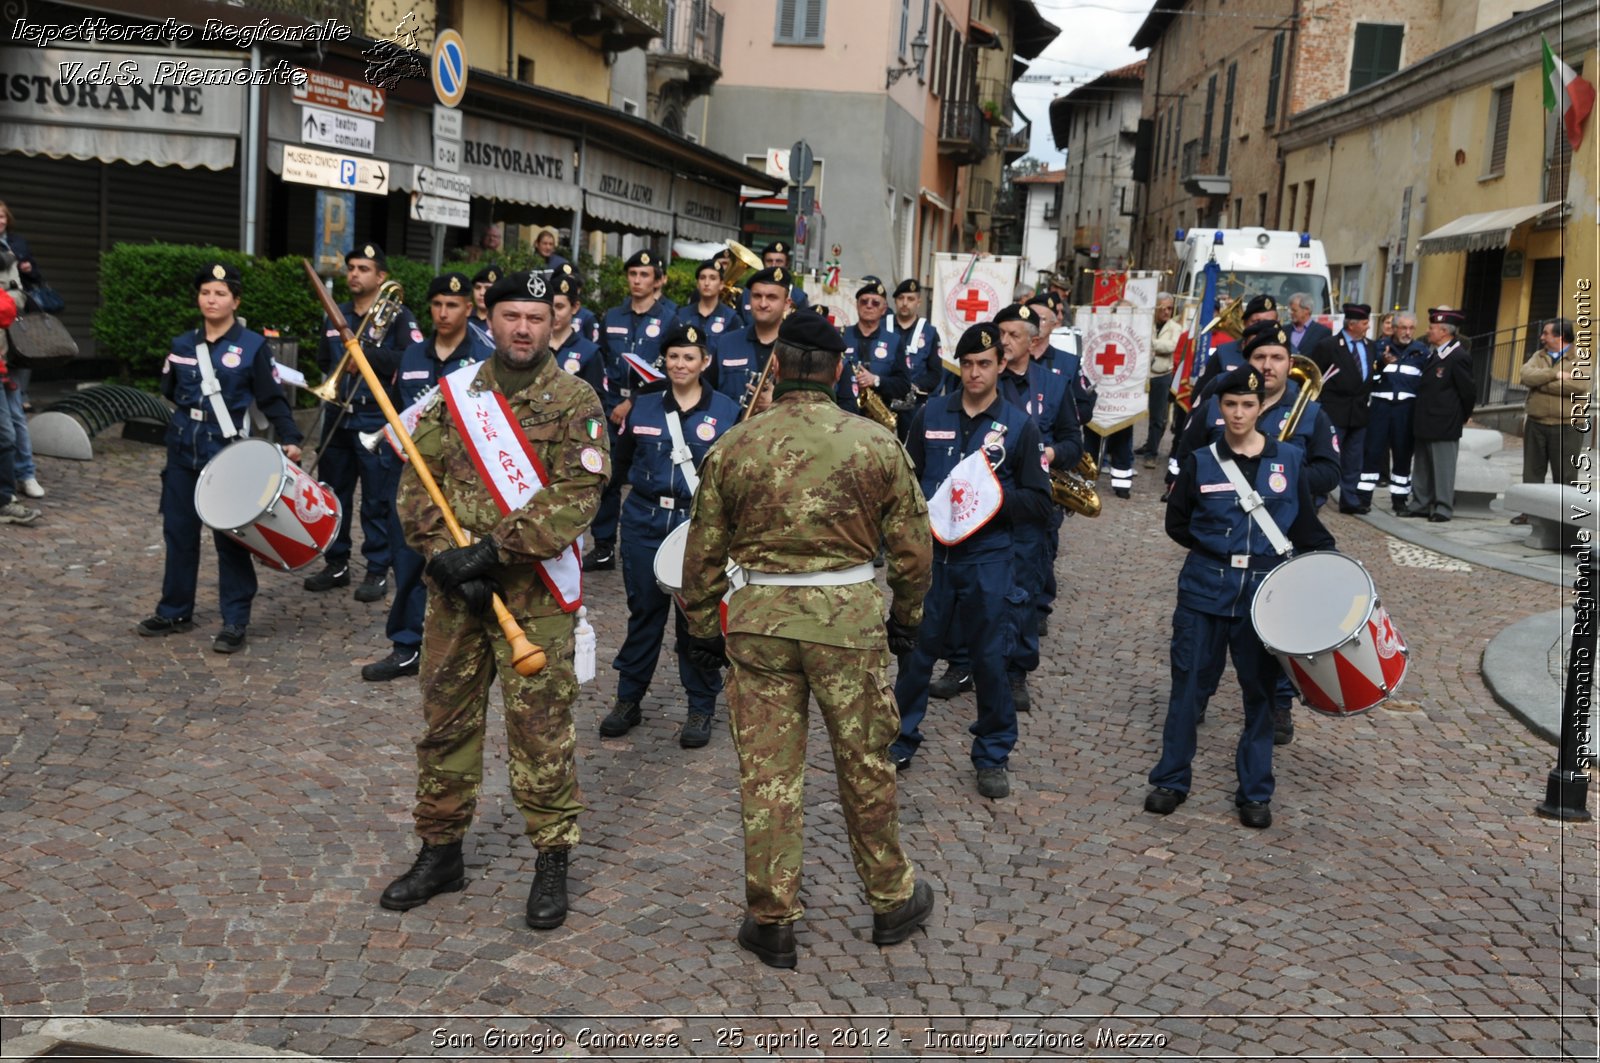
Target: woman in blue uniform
1230 553
660 467
242 365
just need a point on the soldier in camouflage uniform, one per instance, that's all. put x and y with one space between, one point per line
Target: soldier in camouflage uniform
800 497
463 650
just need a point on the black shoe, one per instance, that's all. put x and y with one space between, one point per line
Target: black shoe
402 660
993 784
1409 513
1438 518
438 869
547 899
773 943
1400 503
1282 727
1257 814
891 928
1200 717
950 684
1019 692
1163 800
696 731
623 717
901 763
1122 492
372 589
334 575
1044 626
229 640
153 626
603 558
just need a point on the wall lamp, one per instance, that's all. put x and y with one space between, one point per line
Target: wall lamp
919 52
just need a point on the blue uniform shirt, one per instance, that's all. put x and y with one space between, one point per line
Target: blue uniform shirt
1313 436
660 497
582 358
382 350
927 370
882 354
243 366
737 359
1398 382
1043 393
421 368
722 319
625 332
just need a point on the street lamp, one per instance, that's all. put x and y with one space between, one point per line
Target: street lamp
919 52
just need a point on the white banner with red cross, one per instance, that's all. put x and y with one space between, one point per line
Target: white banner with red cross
1116 359
839 305
968 289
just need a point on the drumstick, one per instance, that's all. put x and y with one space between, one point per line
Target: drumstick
526 658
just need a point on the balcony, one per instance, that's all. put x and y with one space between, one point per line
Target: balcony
621 25
963 131
1196 173
1015 143
1052 212
994 99
980 195
1085 237
688 54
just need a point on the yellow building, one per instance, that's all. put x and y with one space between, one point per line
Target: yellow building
1448 183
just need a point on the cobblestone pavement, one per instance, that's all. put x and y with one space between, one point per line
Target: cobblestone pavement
198 841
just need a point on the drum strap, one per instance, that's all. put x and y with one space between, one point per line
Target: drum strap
213 390
681 455
1250 502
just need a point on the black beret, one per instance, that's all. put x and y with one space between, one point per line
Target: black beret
810 332
872 287
372 251
907 287
1039 300
1261 304
523 287
778 275
1357 312
709 263
1016 312
567 285
777 247
1443 315
981 337
488 274
643 258
684 334
1263 334
1241 381
450 284
1057 303
219 271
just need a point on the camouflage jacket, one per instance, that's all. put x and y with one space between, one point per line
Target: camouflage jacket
560 415
807 487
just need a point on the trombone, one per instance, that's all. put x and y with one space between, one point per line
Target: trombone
380 315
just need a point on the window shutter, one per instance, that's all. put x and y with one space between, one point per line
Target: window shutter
812 33
1376 53
1227 120
1502 130
1275 80
1211 108
786 19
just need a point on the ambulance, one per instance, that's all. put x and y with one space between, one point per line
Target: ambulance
1255 262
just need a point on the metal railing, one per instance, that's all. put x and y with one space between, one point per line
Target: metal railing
1016 141
652 13
1507 348
962 129
997 94
693 30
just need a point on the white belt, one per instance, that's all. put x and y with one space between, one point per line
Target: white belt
861 573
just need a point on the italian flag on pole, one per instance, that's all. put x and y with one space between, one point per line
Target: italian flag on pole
1565 90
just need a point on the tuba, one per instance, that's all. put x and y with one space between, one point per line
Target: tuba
1303 371
732 294
380 315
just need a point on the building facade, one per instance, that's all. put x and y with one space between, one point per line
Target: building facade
1097 125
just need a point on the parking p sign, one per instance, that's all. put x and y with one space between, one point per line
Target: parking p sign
449 68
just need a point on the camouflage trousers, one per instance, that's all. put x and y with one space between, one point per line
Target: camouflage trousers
461 657
769 689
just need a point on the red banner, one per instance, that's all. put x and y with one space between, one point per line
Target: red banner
1108 286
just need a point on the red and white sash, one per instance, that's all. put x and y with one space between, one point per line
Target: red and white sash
510 469
967 500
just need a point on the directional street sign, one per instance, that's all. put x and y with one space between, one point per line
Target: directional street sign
337 130
307 166
444 185
454 212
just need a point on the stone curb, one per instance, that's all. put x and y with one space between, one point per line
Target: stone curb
138 1041
1529 693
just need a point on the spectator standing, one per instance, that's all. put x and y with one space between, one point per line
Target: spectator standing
1557 409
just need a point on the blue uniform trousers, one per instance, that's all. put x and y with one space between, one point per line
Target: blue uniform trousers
1030 549
1052 543
1117 449
1389 437
1352 455
180 528
978 594
604 529
1198 640
343 462
406 612
648 605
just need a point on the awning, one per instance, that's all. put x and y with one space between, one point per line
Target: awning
705 212
157 149
626 192
518 165
929 195
1480 232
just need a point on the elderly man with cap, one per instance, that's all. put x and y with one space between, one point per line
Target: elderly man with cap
524 521
1446 395
981 464
1351 365
800 498
928 374
342 460
1232 546
1390 441
482 281
874 356
740 354
451 346
630 339
1558 410
708 312
206 420
663 444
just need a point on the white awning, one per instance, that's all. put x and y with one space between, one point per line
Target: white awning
928 194
111 145
625 191
1480 232
705 212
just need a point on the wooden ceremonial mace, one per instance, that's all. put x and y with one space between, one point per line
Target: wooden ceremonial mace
526 658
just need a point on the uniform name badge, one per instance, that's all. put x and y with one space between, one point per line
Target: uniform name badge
510 469
968 499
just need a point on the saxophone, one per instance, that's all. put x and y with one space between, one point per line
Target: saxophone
1075 490
873 406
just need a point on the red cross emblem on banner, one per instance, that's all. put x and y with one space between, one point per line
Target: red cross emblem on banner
973 305
1110 359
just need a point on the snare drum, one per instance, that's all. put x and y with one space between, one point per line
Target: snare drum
1319 614
252 493
669 560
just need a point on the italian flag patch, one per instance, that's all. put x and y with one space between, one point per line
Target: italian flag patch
592 426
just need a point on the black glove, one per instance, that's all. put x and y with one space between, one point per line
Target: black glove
708 654
476 594
902 637
453 567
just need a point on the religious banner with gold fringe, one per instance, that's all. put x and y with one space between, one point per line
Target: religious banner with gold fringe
1108 285
1116 359
968 289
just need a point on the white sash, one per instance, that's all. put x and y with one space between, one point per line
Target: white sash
916 336
509 467
1250 502
410 417
967 500
213 390
681 455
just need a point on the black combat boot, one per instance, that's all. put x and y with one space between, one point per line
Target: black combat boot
547 900
773 943
438 869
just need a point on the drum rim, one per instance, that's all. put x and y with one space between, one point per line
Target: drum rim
655 562
277 496
1354 633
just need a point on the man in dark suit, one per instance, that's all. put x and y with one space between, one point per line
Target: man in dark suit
1349 365
1445 397
1304 333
